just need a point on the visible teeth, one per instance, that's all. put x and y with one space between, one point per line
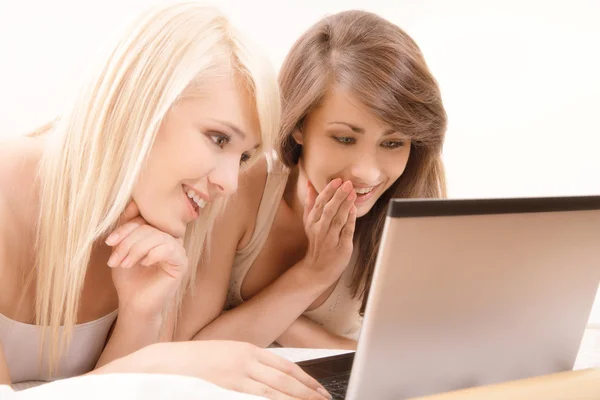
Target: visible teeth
363 191
201 202
192 195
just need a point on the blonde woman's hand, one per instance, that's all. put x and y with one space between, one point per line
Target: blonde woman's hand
329 221
148 264
237 366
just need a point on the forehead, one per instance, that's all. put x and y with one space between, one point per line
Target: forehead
341 105
226 99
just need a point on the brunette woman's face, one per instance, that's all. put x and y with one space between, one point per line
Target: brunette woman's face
344 139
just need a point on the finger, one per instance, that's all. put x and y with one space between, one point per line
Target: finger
274 361
311 195
141 244
347 234
124 231
283 382
341 217
130 212
332 207
322 199
122 250
172 259
255 388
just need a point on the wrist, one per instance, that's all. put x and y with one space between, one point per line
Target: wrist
309 274
138 329
139 315
306 274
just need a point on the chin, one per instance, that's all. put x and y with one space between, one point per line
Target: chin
177 230
171 226
361 212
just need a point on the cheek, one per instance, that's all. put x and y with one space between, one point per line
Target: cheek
323 167
394 166
191 161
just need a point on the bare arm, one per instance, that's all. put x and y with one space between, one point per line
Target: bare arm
147 269
4 376
264 317
130 334
205 303
305 333
267 315
235 366
259 320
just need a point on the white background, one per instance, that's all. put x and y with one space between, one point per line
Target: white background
519 78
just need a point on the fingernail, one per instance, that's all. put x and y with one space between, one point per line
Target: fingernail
351 196
337 183
112 260
324 392
347 186
125 263
111 239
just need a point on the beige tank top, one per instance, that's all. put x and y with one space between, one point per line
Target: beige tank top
21 343
339 314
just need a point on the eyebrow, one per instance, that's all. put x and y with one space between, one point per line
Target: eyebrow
231 126
357 129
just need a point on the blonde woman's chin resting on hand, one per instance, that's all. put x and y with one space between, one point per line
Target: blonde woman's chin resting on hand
104 210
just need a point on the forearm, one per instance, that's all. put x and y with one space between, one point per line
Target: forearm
130 334
305 333
139 361
4 375
264 317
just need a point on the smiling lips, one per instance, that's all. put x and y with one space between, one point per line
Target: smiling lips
363 194
195 202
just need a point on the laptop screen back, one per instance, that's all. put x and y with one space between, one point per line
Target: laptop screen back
473 292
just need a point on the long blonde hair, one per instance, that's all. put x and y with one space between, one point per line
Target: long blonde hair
97 148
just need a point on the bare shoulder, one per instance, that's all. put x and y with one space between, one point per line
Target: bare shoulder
19 156
4 216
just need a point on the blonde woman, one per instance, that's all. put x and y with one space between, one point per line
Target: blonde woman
104 210
362 122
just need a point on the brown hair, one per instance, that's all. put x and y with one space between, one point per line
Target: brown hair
384 68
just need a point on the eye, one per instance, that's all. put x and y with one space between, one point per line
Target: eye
345 140
244 158
392 144
219 139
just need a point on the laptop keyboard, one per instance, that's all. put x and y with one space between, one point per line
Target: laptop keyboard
336 386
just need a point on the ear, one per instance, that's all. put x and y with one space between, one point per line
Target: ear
297 135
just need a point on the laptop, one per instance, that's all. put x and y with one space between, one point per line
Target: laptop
471 292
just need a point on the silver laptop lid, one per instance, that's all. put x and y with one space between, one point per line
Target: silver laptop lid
473 292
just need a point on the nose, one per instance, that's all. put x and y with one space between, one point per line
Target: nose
224 177
366 169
